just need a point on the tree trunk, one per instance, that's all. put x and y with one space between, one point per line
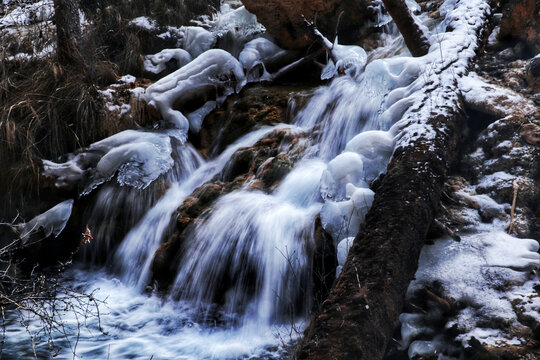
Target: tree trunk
412 34
68 30
360 314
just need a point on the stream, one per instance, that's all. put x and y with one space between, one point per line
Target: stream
259 243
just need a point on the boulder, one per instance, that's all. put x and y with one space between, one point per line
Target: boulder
521 19
256 105
283 18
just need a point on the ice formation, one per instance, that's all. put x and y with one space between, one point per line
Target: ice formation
345 168
240 22
196 40
255 54
157 63
51 222
375 147
350 60
342 251
137 157
215 72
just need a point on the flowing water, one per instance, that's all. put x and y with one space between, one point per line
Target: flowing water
251 254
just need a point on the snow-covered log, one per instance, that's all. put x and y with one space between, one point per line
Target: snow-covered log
357 319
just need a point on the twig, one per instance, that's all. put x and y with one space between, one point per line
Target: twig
515 185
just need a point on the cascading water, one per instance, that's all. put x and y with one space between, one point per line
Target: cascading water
244 278
255 245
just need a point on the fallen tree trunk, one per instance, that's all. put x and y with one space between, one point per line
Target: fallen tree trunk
359 316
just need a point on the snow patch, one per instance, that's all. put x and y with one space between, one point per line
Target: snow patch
144 22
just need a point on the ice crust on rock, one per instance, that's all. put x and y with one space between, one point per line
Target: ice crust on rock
375 147
345 168
350 59
215 72
196 40
342 251
137 157
343 218
51 222
157 63
240 22
255 54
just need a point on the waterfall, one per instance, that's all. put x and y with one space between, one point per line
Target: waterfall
254 248
243 279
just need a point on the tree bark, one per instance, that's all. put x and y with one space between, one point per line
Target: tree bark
68 31
414 37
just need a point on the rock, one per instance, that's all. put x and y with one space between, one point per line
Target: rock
239 164
502 148
283 19
275 169
256 105
521 19
324 265
163 265
507 54
533 73
531 133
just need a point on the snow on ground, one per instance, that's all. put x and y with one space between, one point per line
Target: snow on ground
497 100
28 29
28 13
144 22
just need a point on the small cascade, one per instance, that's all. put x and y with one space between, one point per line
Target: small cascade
134 256
251 253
